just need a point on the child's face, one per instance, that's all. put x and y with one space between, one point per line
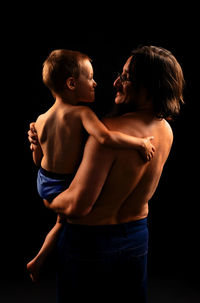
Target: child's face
85 84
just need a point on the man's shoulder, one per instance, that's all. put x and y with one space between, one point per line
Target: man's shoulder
167 126
110 121
168 130
118 121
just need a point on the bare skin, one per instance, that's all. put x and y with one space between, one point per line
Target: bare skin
124 184
63 147
121 189
34 266
60 129
60 134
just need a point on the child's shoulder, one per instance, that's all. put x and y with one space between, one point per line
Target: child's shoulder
41 117
44 116
40 120
80 109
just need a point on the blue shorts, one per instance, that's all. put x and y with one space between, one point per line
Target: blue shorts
50 184
103 263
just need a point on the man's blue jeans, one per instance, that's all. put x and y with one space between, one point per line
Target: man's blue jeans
99 262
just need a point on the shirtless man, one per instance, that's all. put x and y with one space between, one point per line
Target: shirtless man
103 248
69 76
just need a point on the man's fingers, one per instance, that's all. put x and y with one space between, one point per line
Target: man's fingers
32 125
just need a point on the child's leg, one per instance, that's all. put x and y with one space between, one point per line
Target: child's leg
49 244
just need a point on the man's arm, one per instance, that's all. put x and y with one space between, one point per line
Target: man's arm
35 146
79 198
32 135
37 154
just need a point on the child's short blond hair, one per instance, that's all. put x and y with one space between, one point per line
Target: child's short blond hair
59 65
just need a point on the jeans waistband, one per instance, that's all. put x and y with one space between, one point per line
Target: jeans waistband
105 237
112 228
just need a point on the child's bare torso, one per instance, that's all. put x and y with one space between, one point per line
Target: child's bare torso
61 136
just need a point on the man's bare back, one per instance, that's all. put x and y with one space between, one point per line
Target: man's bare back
130 182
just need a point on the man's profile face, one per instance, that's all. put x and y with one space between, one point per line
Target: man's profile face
125 92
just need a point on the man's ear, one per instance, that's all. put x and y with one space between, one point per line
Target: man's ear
71 83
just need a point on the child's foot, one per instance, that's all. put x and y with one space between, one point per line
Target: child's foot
33 269
148 149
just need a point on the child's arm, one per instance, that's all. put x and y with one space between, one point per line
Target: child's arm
49 244
97 129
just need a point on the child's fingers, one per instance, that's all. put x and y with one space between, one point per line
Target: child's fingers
150 138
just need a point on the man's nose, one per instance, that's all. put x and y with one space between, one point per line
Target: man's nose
117 82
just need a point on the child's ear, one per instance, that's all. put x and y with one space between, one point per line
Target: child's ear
71 83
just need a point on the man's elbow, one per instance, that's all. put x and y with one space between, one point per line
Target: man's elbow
76 212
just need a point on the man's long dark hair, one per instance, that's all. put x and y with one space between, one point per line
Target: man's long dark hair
157 70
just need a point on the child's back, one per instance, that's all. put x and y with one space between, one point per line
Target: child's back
60 133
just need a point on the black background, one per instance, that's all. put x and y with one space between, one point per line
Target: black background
107 36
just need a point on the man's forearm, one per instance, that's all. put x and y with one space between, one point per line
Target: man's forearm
37 155
66 204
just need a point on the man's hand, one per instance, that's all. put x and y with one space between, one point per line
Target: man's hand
32 136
